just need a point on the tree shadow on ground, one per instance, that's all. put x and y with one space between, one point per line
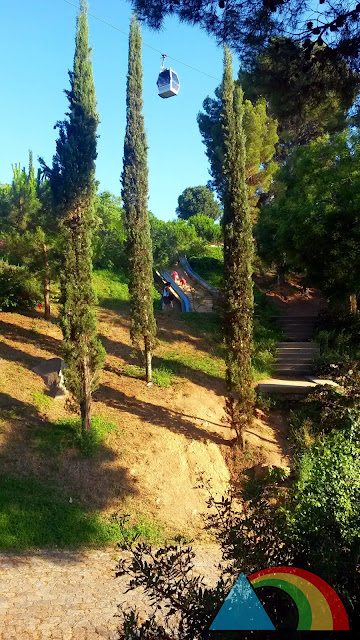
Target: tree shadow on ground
160 416
17 355
126 353
51 500
19 334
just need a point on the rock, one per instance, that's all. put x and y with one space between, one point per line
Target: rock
262 470
51 372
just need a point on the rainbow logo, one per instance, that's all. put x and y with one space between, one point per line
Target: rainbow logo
319 607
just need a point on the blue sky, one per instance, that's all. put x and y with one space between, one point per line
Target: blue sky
37 49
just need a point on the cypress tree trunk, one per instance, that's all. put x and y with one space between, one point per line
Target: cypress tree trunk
135 194
72 181
148 360
353 303
46 283
85 403
238 253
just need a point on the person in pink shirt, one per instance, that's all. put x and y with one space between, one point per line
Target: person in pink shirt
175 276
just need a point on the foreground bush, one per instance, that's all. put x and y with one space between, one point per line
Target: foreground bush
18 288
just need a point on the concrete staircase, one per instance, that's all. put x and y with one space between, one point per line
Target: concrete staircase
293 368
294 359
295 355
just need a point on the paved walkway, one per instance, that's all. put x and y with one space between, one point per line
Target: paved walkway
69 596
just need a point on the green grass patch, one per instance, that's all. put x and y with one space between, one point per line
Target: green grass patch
161 376
144 528
41 401
53 438
204 325
111 288
176 361
36 515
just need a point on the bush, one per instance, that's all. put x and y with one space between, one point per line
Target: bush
206 228
18 288
324 515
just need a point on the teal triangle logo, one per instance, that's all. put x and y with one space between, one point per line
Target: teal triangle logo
242 610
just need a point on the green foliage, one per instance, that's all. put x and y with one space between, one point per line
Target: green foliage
111 287
135 193
34 515
338 334
307 99
144 528
27 227
211 269
18 288
206 228
325 504
198 200
238 255
109 234
173 239
64 434
312 225
260 139
72 179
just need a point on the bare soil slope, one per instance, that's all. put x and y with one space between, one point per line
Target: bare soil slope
165 438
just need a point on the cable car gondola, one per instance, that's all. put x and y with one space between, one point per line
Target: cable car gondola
168 82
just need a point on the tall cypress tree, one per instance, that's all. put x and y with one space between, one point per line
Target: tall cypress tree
135 193
73 187
238 252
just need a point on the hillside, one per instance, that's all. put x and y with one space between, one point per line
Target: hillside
156 440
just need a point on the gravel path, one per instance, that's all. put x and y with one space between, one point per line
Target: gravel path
71 596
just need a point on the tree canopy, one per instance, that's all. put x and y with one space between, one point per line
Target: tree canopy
260 139
248 25
307 99
194 200
313 222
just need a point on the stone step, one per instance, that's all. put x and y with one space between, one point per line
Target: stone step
289 362
295 387
295 318
293 374
297 345
293 367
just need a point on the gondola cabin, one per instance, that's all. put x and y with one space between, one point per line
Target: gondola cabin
168 83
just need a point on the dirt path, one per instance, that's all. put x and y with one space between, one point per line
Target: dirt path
70 596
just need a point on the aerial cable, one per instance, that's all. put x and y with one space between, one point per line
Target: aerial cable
109 24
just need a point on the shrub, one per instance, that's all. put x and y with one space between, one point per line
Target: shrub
18 288
324 514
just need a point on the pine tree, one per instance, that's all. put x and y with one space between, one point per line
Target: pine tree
238 253
135 193
73 187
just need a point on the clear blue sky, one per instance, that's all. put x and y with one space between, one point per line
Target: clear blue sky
37 49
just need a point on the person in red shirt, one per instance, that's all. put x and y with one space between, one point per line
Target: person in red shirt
182 282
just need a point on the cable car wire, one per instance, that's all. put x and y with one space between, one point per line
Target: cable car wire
109 24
